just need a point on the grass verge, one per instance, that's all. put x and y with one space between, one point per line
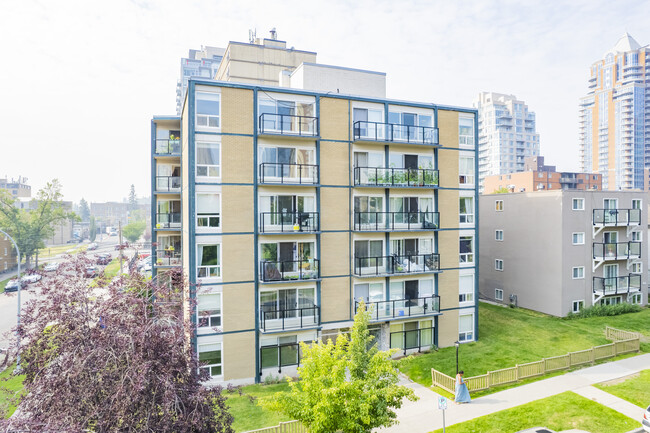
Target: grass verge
635 389
564 411
10 385
249 415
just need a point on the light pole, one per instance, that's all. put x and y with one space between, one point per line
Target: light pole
18 313
457 344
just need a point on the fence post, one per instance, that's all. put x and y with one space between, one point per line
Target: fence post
543 365
517 372
615 349
593 355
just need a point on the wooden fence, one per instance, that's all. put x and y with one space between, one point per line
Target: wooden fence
623 342
284 427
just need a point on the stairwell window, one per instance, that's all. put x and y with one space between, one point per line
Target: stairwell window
498 235
578 204
636 268
466 210
498 264
578 238
576 306
208 110
498 205
466 327
578 272
466 248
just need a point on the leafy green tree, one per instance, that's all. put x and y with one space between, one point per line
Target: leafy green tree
84 210
133 231
30 227
349 386
92 229
502 190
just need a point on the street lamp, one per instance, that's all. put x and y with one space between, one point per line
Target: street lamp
18 313
457 344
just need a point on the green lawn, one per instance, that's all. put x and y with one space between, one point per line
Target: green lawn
636 389
249 415
3 283
113 268
510 336
9 386
50 252
564 411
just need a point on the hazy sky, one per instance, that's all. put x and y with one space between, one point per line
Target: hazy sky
80 80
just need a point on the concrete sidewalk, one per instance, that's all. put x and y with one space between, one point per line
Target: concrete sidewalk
423 415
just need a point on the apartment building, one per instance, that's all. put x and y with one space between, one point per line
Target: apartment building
8 258
540 177
507 134
560 251
18 188
615 117
289 206
198 63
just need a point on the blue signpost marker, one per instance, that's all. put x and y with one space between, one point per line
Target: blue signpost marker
442 405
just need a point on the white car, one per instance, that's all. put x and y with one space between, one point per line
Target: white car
32 278
646 420
51 267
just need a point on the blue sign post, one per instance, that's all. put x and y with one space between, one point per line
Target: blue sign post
442 405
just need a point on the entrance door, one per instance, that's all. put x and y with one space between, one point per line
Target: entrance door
286 256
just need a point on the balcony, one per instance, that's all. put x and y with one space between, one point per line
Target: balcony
396 265
168 220
289 270
168 184
396 133
288 125
412 339
288 174
288 222
279 355
616 251
402 308
296 318
168 257
616 217
395 221
617 285
396 177
167 147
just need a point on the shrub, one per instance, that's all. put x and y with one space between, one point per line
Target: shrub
605 310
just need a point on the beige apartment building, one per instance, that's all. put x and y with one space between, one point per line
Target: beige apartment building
7 254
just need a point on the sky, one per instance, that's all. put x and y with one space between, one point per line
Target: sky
81 80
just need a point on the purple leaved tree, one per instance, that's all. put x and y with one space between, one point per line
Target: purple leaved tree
112 356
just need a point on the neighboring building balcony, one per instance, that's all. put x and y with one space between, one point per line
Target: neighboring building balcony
396 177
289 125
395 221
289 319
280 355
616 217
288 222
168 184
396 133
402 308
168 257
168 147
289 270
412 339
617 251
288 174
396 265
617 285
168 220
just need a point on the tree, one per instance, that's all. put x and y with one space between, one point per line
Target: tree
133 199
349 385
30 227
133 231
502 190
92 231
84 210
112 356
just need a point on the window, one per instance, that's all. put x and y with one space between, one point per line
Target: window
208 109
636 298
5 251
209 311
467 210
498 235
466 249
636 268
498 205
209 261
578 204
636 203
578 238
371 292
208 159
498 294
576 306
208 211
411 335
498 264
466 327
466 288
466 170
636 236
466 131
578 272
614 300
210 359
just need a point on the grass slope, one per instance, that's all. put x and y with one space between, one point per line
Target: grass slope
636 389
10 385
250 415
561 412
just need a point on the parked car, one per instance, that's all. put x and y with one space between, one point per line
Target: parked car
91 271
31 278
121 247
51 267
12 286
103 259
92 246
645 421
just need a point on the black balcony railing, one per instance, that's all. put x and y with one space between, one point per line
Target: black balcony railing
294 174
296 318
167 257
377 131
389 221
617 285
287 124
616 217
291 270
168 183
280 355
385 310
396 265
166 146
168 220
413 339
410 177
288 222
616 251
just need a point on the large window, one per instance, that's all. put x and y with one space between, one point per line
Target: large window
209 311
411 335
466 170
467 210
208 109
466 327
210 359
208 159
208 211
288 303
466 131
370 292
466 249
576 306
370 124
209 261
498 294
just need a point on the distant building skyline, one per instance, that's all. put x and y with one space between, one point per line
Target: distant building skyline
198 63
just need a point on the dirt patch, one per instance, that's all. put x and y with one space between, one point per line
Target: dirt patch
620 379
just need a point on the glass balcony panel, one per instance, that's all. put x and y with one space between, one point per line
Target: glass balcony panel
288 222
374 131
395 265
288 124
168 147
307 269
285 173
294 318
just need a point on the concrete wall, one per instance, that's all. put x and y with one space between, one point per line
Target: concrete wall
326 78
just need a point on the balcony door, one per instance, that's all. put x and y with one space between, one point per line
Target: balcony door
369 254
368 212
610 272
370 123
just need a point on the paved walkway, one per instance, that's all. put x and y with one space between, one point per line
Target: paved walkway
423 415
